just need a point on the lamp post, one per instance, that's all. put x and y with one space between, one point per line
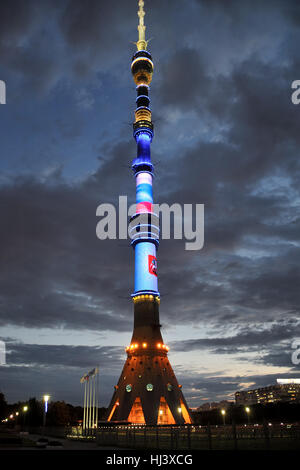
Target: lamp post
247 409
223 413
46 399
25 409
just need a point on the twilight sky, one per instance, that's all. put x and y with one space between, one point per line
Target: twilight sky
226 135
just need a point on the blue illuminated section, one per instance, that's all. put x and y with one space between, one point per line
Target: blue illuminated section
144 225
142 161
145 276
144 188
144 193
145 240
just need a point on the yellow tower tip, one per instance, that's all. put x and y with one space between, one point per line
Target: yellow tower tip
141 44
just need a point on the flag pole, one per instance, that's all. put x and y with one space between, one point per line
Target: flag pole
93 403
84 409
90 408
97 399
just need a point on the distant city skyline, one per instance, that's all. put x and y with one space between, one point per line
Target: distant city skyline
227 128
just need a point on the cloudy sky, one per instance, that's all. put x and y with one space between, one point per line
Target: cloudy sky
226 135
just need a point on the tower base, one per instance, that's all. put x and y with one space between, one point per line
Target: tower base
147 391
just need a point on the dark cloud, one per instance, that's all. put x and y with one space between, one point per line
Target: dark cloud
48 250
184 79
16 18
62 355
61 383
220 386
254 338
57 369
227 135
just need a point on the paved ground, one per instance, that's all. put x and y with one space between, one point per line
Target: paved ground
67 444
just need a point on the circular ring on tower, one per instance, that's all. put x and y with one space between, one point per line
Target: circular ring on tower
142 166
144 226
142 53
142 69
142 114
143 126
142 90
143 101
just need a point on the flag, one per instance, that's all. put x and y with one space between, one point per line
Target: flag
89 375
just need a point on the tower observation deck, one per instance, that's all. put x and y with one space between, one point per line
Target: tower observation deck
147 391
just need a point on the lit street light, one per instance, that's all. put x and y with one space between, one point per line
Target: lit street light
223 413
25 409
247 409
46 399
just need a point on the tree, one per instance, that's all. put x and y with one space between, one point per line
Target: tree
34 413
58 414
3 406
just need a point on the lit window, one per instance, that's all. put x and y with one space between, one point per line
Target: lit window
149 387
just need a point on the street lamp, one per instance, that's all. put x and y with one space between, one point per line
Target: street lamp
223 413
247 409
25 409
46 399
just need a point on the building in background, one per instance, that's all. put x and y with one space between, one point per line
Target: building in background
286 390
224 404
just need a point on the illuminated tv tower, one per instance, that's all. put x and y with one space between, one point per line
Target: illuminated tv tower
147 391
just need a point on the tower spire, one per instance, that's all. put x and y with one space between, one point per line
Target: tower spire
142 43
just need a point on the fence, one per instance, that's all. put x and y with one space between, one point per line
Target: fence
78 432
193 437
